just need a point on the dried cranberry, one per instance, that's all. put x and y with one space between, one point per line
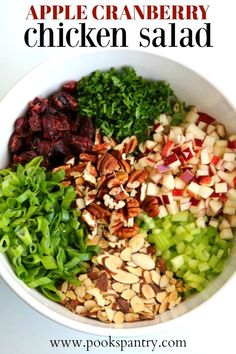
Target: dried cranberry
63 100
15 143
51 110
35 123
38 105
81 144
45 148
70 86
62 123
74 126
24 157
162 265
61 147
49 127
86 127
21 127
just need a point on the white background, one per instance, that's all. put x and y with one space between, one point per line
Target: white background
210 328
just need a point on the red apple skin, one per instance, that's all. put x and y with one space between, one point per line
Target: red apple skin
177 192
215 159
205 180
204 117
167 148
232 144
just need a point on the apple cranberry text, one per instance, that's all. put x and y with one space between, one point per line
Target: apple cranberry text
176 29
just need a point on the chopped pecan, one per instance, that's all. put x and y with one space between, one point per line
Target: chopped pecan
125 165
87 157
150 206
100 148
137 177
120 178
89 219
122 195
98 137
98 211
132 206
127 232
60 168
102 282
127 146
77 168
107 164
116 222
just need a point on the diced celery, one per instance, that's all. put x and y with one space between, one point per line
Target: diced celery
203 267
181 216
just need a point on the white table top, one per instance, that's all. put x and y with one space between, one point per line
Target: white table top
211 329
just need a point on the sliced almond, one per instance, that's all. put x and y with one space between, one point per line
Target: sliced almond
136 243
80 291
147 291
125 255
131 264
164 282
143 260
128 294
131 317
110 314
125 277
64 287
118 287
138 271
136 287
71 295
119 317
170 288
161 296
147 277
137 304
163 307
102 316
112 263
80 309
89 304
156 277
97 294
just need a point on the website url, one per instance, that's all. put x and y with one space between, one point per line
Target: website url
122 344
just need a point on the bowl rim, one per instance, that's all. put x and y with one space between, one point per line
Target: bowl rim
43 308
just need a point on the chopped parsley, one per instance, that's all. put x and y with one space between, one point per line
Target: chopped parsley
123 103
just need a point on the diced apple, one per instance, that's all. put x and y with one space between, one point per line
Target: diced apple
224 224
163 119
200 221
167 198
221 187
207 181
188 153
202 173
152 189
220 129
162 211
232 194
161 168
227 177
205 192
215 159
178 192
229 156
232 143
229 166
214 222
219 151
204 117
205 156
210 129
185 206
212 170
149 145
197 143
215 205
172 161
187 177
167 148
231 203
202 125
197 133
232 220
168 182
221 143
228 210
226 234
191 117
155 176
209 141
193 188
173 208
157 137
215 135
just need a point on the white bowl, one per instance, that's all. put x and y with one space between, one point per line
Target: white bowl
47 78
